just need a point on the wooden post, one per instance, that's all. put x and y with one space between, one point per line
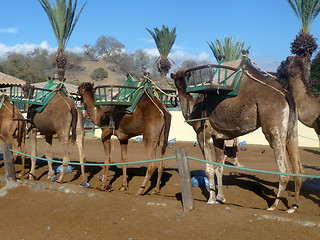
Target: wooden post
8 162
185 179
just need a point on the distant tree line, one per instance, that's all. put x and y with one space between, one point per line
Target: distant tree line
39 64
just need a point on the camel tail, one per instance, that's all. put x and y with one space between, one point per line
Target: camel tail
74 121
167 125
292 138
21 133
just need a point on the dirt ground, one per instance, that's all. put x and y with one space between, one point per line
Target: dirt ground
46 210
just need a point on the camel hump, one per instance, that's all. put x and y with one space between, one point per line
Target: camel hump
234 63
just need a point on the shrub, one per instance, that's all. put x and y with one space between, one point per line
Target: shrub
99 74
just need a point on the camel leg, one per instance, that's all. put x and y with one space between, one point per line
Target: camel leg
151 147
64 144
278 145
204 144
106 146
23 158
294 157
82 157
33 141
124 159
15 155
49 155
15 148
219 153
156 190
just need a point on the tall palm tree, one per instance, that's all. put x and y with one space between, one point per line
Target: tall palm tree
227 51
305 44
164 40
63 20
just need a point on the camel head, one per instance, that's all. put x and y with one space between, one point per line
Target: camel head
85 87
28 90
291 67
179 80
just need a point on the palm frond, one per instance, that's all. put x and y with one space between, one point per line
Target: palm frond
306 11
228 51
61 17
164 39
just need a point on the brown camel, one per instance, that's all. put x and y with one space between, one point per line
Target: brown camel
9 126
293 69
261 102
150 119
61 116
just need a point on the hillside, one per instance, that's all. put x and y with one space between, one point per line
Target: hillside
115 75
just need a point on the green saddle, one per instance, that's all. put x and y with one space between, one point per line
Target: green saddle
37 98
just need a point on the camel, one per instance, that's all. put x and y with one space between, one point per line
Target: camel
61 116
9 126
260 102
293 69
150 119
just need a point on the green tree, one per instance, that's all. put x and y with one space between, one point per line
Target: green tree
63 21
107 46
29 67
227 50
306 11
164 40
89 52
141 60
99 74
188 64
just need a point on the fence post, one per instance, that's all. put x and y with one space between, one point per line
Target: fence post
8 162
185 179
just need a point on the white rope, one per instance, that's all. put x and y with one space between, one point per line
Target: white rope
256 79
154 103
169 95
261 68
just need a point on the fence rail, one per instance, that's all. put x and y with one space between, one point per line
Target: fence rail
182 162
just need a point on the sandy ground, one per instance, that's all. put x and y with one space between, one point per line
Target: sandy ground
45 210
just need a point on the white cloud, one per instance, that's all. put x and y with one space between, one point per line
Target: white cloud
24 48
9 30
180 56
29 47
152 52
77 50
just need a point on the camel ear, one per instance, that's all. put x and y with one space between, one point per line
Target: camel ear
173 76
188 75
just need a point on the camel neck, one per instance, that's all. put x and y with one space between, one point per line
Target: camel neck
299 90
297 87
186 102
92 110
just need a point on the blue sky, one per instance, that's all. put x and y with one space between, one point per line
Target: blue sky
268 26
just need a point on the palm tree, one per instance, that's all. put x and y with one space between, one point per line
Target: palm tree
164 40
228 51
61 17
305 44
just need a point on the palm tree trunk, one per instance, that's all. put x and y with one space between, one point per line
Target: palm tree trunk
61 64
163 80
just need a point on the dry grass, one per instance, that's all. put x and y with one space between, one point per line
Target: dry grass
77 77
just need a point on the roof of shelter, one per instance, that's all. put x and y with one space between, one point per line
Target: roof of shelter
71 88
6 80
